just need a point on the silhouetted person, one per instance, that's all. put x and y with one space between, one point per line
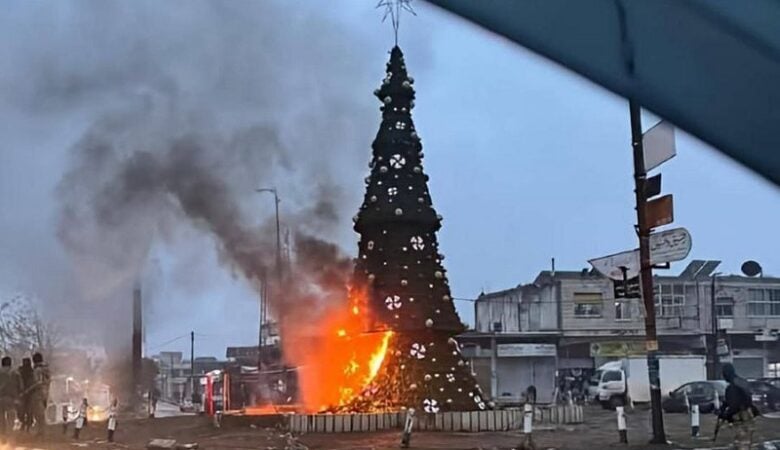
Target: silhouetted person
9 393
530 395
82 419
738 408
65 416
112 412
28 381
39 394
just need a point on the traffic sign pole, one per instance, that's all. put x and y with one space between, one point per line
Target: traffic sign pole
646 273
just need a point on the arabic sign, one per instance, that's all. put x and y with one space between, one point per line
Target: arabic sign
517 350
670 245
659 145
665 246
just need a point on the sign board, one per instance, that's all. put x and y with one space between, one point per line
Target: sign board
651 346
670 245
665 246
610 266
725 323
524 350
659 211
658 145
653 186
767 336
617 349
627 289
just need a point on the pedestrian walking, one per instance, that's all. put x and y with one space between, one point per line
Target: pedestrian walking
112 411
39 394
65 416
27 384
9 393
738 408
82 418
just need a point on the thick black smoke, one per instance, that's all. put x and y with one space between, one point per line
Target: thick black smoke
155 122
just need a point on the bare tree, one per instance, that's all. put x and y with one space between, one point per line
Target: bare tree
23 330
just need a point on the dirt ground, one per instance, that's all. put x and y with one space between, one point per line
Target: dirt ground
599 432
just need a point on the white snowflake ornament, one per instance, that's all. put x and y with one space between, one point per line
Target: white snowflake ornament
393 302
430 406
417 351
417 243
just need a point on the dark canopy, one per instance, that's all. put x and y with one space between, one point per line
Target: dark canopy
712 67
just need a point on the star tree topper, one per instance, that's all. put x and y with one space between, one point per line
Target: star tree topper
393 9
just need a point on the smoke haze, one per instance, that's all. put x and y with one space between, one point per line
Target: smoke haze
163 119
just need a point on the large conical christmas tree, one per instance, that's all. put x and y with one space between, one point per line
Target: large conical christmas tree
399 269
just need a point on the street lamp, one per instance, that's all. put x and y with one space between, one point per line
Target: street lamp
263 307
715 360
278 235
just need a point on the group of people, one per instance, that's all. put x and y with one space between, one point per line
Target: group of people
24 392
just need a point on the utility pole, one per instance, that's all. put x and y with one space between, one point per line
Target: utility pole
192 365
643 229
713 347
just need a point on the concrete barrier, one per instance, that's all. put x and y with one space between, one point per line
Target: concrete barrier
468 421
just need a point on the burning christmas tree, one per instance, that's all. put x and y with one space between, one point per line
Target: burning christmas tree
399 279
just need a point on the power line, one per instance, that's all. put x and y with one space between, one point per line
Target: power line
169 342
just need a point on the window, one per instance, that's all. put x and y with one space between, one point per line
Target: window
669 300
498 327
685 389
774 370
764 302
588 304
724 307
612 375
622 310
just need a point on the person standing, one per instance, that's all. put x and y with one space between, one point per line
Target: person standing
39 394
738 408
81 420
112 412
65 414
9 393
27 385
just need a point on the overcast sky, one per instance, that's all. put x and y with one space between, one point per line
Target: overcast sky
527 161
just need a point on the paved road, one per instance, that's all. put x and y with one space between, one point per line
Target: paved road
599 432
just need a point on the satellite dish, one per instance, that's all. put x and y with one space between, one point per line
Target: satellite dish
751 268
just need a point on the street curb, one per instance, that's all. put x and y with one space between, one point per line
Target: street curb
768 445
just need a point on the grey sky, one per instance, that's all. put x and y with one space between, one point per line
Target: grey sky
527 161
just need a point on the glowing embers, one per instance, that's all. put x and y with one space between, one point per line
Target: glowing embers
417 243
430 405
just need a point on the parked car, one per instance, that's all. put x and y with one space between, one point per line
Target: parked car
773 381
766 397
700 393
626 380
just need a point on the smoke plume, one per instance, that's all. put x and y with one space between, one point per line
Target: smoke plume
144 128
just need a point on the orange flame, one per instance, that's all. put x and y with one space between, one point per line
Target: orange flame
339 360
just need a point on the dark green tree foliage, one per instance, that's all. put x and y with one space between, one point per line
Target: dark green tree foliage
399 268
